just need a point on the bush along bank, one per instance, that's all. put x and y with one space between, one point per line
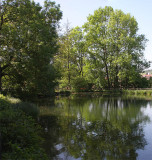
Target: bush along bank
138 92
19 133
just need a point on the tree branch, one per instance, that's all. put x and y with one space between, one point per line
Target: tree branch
2 21
5 66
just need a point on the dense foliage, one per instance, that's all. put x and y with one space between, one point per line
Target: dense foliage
19 133
28 37
107 52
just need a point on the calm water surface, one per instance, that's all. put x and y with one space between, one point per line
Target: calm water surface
97 128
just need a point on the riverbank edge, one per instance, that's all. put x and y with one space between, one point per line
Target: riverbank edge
20 133
145 92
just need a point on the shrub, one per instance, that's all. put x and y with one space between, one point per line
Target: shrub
80 84
28 108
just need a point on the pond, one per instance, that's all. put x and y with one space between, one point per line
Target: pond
97 127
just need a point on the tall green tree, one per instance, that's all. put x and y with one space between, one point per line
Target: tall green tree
70 59
64 58
78 49
28 36
114 46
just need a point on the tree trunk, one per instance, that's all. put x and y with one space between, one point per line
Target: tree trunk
105 62
81 65
68 68
0 79
2 73
0 146
116 83
107 73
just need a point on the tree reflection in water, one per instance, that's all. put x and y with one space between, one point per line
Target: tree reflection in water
94 128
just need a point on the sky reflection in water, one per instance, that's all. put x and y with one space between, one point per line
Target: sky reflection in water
97 128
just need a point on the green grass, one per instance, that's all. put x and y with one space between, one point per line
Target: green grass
138 92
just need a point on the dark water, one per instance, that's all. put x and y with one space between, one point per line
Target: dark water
98 128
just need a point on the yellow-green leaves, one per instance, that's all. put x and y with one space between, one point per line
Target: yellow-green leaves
113 41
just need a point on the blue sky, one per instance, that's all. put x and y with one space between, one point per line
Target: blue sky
77 11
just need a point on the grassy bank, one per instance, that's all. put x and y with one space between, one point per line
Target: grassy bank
101 92
144 92
138 92
19 133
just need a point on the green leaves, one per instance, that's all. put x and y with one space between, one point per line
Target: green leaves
28 45
113 41
19 132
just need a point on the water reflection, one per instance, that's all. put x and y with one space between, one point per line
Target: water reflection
94 128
